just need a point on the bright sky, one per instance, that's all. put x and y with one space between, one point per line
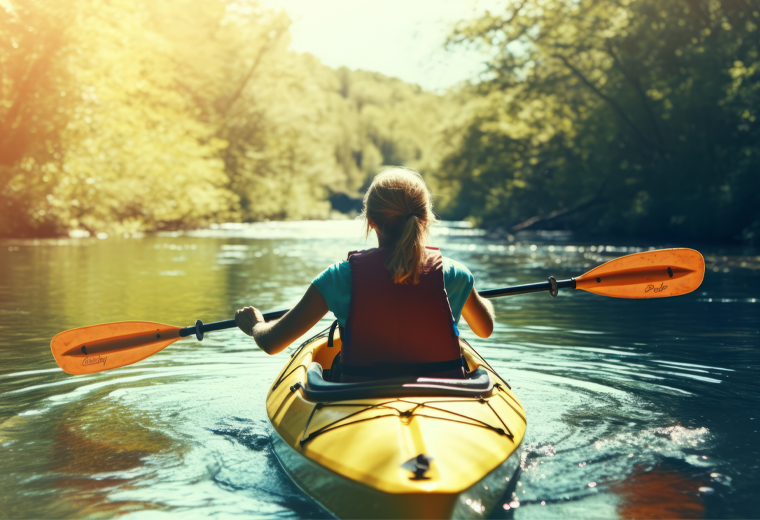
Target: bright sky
399 38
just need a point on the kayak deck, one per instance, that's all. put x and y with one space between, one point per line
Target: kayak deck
357 456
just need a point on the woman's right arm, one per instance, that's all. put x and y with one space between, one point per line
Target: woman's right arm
274 336
478 313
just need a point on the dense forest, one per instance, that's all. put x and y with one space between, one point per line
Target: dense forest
120 117
605 117
614 118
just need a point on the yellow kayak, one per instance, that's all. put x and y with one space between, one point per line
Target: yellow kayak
402 448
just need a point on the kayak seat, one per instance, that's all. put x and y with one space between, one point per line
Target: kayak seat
315 388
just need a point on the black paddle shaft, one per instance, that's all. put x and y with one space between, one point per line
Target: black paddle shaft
553 286
199 328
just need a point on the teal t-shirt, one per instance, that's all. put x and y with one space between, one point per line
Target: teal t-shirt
335 285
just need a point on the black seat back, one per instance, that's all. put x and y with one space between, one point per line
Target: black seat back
315 388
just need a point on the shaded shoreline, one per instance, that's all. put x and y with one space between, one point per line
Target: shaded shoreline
495 233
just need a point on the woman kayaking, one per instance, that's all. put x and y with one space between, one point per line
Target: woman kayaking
397 304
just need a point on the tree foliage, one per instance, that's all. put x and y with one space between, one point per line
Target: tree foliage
124 116
614 117
622 117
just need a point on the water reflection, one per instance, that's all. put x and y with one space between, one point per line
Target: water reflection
664 491
633 406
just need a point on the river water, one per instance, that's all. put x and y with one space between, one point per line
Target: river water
633 405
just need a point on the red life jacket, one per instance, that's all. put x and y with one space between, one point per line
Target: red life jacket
398 329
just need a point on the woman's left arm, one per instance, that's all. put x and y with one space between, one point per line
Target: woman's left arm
276 335
478 313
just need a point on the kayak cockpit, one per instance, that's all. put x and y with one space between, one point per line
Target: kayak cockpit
316 388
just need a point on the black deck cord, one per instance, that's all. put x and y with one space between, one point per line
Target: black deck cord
374 406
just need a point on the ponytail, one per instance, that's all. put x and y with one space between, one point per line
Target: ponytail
400 206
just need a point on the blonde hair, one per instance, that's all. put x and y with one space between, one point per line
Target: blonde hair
400 205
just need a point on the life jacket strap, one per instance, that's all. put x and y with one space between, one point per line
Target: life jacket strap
396 370
331 335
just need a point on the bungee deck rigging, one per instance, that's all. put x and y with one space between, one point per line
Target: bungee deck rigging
405 414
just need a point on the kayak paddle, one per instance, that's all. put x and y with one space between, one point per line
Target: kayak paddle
87 349
651 274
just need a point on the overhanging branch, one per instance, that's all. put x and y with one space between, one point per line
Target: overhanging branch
615 106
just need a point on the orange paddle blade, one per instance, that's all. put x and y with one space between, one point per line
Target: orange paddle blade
103 347
652 274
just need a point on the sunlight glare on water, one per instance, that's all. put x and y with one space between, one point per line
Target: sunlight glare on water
635 408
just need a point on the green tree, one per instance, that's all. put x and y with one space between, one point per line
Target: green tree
633 118
96 136
33 106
